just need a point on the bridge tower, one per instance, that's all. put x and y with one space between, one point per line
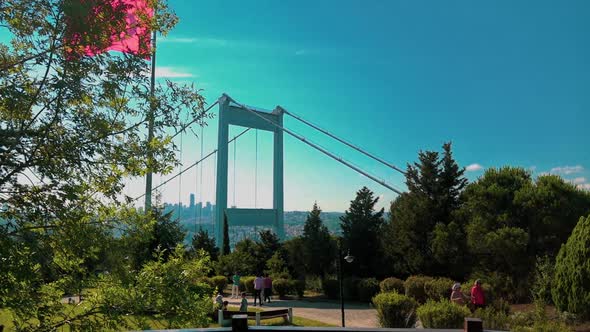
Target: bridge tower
232 114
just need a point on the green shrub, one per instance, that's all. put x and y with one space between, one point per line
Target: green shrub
297 287
392 284
247 284
493 319
331 288
438 289
571 287
314 284
219 282
442 315
521 319
414 287
546 326
367 288
350 288
395 310
281 287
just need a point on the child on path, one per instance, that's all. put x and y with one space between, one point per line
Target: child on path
244 304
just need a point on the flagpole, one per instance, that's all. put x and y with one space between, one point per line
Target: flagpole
150 155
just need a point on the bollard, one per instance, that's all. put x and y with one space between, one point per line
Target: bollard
473 325
239 323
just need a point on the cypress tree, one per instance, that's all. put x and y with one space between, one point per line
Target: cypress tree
571 289
318 247
225 249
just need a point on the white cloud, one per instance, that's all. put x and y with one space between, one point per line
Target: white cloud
171 72
579 180
473 167
177 40
585 186
204 41
567 169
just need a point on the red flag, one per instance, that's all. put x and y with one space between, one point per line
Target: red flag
97 26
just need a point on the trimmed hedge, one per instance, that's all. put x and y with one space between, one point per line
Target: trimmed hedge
395 310
414 287
247 284
367 288
331 289
492 318
297 287
219 282
442 314
438 289
392 284
281 287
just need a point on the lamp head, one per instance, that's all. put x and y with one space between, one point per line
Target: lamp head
349 258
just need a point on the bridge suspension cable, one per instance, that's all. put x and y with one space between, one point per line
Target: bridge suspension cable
191 166
317 147
344 142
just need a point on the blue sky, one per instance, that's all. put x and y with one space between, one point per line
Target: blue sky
508 82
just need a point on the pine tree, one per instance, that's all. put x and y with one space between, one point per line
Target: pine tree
201 240
225 250
360 233
420 220
319 250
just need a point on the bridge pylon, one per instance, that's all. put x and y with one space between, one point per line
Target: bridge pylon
232 114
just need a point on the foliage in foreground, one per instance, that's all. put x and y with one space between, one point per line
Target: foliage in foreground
395 310
442 314
167 291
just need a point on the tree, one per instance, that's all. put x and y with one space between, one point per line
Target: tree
201 240
71 130
168 233
421 220
276 267
225 249
361 226
244 259
571 287
319 250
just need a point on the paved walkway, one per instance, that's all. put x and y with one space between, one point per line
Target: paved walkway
326 311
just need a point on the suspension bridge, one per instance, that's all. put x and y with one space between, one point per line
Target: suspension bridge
232 112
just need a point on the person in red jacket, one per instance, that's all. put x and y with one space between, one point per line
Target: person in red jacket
477 296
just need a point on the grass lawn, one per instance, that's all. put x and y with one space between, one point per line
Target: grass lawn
150 323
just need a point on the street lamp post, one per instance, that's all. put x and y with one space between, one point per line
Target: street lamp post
349 259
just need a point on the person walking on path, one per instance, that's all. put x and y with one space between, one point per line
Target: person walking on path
267 282
244 303
457 295
235 287
258 285
477 295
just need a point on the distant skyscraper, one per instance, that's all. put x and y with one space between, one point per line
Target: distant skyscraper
207 209
192 201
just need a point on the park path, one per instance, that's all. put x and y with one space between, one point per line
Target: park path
326 311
